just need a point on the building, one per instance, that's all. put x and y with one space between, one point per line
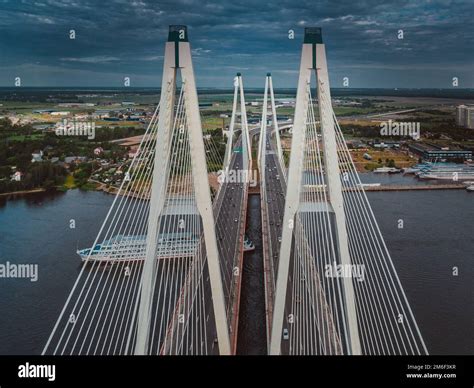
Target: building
100 113
384 144
75 159
355 144
465 116
42 111
433 152
43 127
76 104
37 156
17 176
60 113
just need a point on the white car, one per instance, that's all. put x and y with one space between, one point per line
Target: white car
286 335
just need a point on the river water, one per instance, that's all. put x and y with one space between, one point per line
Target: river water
437 235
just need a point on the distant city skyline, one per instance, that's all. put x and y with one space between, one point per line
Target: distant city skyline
119 39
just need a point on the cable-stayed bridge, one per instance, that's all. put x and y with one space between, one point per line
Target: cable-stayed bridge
164 273
337 291
172 280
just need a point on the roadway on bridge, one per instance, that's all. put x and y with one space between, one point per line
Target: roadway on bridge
228 212
229 222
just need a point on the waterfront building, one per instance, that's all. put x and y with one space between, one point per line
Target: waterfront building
433 152
465 116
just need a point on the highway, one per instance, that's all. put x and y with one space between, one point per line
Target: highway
273 192
229 214
275 187
298 289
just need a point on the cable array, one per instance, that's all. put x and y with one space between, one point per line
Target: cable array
316 315
100 314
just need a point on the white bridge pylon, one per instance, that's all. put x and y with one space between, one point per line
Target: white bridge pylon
264 123
161 290
178 57
337 290
239 96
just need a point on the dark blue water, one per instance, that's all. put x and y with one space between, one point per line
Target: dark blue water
252 334
437 235
35 230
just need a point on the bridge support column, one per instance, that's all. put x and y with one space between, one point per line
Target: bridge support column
178 56
333 176
313 59
263 132
230 138
158 193
292 200
246 146
275 124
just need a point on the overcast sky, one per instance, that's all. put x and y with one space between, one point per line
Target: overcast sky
118 38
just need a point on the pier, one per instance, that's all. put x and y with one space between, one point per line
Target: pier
452 186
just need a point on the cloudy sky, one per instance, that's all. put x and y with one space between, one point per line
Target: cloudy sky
125 38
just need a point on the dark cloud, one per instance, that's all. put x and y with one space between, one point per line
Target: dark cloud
118 38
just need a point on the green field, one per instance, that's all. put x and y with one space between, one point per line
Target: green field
213 123
35 136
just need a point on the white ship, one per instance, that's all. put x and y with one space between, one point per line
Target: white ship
133 248
416 168
448 175
390 170
369 184
445 171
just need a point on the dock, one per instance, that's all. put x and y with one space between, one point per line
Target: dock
451 186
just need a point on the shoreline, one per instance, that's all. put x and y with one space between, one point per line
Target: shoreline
23 192
113 190
415 187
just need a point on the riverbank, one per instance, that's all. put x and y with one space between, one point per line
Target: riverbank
414 187
68 185
23 192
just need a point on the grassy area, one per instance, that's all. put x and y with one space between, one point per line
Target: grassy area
212 123
110 124
381 158
350 110
22 105
70 182
89 186
35 136
285 111
338 110
372 166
